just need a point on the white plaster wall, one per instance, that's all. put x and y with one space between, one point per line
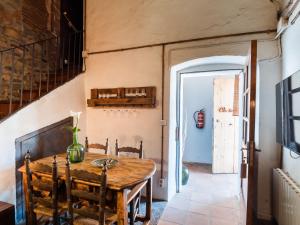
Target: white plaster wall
135 68
49 109
176 54
269 76
197 93
143 67
291 64
116 24
119 24
113 24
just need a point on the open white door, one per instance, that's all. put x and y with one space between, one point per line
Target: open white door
224 139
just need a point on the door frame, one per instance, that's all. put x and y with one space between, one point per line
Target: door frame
250 159
178 131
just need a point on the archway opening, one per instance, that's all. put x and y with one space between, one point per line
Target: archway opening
210 68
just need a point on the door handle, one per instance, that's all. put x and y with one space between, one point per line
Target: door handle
246 149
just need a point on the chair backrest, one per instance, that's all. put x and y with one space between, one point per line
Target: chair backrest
96 145
95 194
42 178
138 151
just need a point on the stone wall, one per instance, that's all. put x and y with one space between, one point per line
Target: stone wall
11 35
41 19
23 22
10 23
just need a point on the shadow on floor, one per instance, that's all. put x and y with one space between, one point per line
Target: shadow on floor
158 207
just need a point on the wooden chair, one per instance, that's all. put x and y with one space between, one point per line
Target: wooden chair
133 150
86 199
42 193
135 201
96 145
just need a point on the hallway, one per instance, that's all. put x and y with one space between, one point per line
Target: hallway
207 199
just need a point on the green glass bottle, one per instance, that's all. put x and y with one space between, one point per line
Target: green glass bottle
185 175
76 150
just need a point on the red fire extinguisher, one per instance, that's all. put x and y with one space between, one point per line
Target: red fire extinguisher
199 117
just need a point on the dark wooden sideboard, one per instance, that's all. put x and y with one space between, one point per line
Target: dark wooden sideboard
49 140
7 214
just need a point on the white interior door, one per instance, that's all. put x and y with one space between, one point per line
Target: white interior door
224 139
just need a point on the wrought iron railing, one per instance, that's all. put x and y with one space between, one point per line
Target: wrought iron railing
30 71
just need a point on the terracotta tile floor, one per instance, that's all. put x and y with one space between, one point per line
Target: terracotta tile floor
207 199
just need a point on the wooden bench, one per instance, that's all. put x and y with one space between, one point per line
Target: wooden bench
7 213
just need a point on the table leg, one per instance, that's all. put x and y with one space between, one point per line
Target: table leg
149 199
122 207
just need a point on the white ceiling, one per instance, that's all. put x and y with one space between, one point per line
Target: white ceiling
116 24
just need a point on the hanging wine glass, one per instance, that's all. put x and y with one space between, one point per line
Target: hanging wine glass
143 92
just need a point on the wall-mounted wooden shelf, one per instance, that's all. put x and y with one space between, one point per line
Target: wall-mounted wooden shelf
143 97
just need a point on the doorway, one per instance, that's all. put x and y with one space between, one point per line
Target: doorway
212 194
214 141
216 94
209 97
248 156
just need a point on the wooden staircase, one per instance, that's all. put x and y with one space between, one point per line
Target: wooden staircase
42 72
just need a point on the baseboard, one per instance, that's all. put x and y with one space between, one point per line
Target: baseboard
197 163
265 222
264 216
265 219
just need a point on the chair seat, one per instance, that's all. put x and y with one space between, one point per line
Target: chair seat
42 219
46 211
42 202
41 210
92 213
44 185
47 202
110 218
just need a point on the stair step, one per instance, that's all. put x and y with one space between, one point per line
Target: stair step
4 106
44 87
35 91
34 94
60 78
2 115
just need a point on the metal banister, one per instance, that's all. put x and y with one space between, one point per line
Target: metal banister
32 70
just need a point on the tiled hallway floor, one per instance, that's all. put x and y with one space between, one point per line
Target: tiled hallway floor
207 199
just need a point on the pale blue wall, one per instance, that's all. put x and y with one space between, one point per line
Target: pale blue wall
197 94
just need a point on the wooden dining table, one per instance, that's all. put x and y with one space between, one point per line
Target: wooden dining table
125 175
